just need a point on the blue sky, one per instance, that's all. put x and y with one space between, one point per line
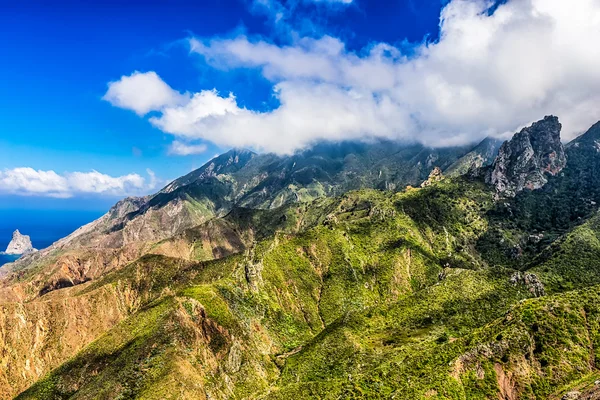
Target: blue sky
106 99
59 57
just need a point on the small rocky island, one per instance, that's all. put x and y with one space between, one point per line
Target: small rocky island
20 244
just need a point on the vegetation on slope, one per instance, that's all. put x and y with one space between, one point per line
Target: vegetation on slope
410 295
285 291
522 227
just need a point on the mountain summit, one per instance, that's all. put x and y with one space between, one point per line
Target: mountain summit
525 161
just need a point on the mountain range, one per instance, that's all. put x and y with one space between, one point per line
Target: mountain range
349 270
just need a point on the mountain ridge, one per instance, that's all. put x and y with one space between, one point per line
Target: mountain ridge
459 291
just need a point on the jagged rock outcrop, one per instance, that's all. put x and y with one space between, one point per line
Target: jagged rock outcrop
528 158
530 281
435 176
20 244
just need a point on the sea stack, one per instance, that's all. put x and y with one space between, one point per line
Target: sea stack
20 244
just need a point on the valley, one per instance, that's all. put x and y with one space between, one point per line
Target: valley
327 274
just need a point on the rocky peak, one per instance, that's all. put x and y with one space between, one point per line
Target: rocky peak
435 176
528 158
126 206
20 244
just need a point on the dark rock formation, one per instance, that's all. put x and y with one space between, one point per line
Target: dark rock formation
526 161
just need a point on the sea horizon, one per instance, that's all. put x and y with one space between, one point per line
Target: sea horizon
44 227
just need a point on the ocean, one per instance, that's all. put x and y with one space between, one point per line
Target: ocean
43 226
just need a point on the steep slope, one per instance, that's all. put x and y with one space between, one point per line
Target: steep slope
237 178
525 161
42 331
370 302
513 355
572 261
539 348
279 295
371 294
482 155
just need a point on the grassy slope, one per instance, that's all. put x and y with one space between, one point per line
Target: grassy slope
401 350
366 252
381 296
573 261
539 348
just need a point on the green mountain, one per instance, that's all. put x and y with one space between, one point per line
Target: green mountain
266 181
482 155
322 275
238 178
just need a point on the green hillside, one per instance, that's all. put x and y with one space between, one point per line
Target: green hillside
455 290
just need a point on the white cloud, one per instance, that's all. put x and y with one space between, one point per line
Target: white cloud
34 182
30 182
184 149
142 93
318 60
207 105
487 74
308 113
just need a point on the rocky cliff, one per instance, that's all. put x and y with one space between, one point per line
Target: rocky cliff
436 175
528 158
20 244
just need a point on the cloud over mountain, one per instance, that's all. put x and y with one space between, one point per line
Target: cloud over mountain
490 72
185 149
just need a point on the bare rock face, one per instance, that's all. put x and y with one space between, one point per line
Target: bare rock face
574 395
435 176
20 244
530 281
528 158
